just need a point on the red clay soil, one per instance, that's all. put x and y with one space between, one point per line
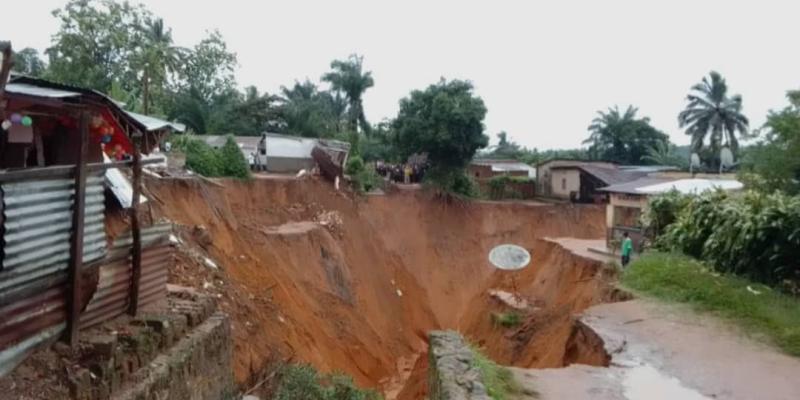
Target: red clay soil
354 284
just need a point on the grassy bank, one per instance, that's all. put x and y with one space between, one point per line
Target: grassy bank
757 309
499 381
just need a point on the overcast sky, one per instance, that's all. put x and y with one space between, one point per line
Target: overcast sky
543 69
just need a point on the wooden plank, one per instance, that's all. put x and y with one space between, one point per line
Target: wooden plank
136 234
76 249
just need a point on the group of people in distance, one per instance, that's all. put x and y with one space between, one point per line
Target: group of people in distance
401 173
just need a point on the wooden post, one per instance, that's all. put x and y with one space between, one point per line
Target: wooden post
136 250
76 249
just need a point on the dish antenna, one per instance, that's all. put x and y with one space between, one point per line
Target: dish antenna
510 257
694 162
725 159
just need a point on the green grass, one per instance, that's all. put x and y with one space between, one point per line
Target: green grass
506 319
499 381
677 278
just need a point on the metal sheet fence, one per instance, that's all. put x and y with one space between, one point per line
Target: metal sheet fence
37 223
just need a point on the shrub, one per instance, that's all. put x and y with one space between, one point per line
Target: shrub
452 182
302 382
202 158
354 165
754 234
234 164
662 211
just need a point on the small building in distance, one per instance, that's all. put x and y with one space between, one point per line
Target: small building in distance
629 200
486 169
559 177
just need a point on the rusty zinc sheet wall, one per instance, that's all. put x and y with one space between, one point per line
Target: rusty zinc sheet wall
36 232
112 296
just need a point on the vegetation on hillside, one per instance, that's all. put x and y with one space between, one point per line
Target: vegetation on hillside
754 307
753 234
774 162
499 381
303 382
228 161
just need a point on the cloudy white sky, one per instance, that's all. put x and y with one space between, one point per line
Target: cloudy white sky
543 68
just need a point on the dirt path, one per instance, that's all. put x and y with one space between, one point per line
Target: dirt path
667 352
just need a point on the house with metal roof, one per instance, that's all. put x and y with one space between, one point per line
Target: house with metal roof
629 200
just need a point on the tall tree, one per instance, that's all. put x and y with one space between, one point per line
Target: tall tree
712 113
445 121
307 111
96 43
622 137
28 62
158 58
349 78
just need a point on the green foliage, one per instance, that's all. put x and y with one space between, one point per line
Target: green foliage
755 234
681 279
499 381
662 210
711 113
507 319
454 182
202 158
445 121
302 382
622 137
233 162
28 62
665 153
774 163
364 177
307 111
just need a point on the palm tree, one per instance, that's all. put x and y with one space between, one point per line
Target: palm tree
159 57
621 136
348 77
712 113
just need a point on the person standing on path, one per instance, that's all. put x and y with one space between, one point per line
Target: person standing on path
627 249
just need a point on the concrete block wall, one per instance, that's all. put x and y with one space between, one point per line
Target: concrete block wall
452 374
183 353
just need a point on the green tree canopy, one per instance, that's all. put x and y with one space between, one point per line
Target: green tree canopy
622 137
776 158
28 62
445 121
711 113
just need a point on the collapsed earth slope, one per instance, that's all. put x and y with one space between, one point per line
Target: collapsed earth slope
354 284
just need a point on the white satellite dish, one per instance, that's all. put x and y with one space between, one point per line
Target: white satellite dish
725 159
694 162
509 257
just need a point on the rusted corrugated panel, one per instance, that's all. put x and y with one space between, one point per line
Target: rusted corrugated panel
113 288
37 227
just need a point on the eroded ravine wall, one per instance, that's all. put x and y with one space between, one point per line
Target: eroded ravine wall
360 295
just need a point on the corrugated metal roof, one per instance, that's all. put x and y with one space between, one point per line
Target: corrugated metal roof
39 91
630 187
609 175
154 124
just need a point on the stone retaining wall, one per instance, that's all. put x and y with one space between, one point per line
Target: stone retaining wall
452 373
